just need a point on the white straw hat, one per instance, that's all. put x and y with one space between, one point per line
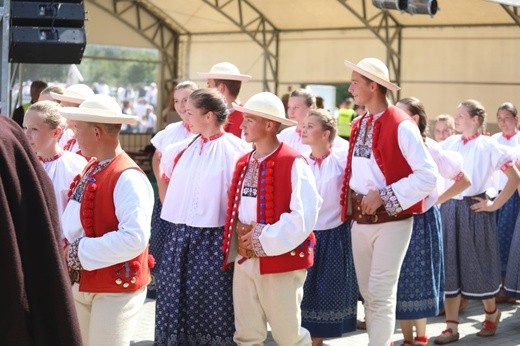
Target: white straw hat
266 105
75 93
375 70
99 108
225 71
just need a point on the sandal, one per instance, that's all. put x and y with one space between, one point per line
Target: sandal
489 328
446 337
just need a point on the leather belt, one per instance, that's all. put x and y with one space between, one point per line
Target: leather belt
242 229
75 276
379 216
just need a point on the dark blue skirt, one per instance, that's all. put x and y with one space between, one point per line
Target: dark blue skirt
159 233
194 297
330 292
512 281
420 291
506 219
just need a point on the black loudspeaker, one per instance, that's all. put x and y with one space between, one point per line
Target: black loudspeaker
47 32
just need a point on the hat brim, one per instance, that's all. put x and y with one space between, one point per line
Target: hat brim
238 77
283 121
378 80
101 116
67 98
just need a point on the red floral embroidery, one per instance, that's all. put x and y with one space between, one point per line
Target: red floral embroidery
151 261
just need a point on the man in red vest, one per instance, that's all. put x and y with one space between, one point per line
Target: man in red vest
107 226
227 79
273 207
388 174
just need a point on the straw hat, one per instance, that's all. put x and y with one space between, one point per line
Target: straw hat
226 71
375 70
266 105
99 108
75 93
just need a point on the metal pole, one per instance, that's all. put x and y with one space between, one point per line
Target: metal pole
5 72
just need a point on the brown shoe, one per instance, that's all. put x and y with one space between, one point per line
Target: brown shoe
446 337
361 325
489 328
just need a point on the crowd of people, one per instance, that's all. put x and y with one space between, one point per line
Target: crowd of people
271 213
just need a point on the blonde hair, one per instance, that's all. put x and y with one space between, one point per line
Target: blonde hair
326 121
50 112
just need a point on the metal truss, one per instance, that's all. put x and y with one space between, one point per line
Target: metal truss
253 23
149 22
388 30
5 71
513 12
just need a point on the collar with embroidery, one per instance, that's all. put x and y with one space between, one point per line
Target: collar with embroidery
50 159
467 139
319 160
509 136
211 138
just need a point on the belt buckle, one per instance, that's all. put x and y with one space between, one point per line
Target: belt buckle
375 218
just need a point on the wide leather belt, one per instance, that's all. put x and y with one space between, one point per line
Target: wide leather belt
243 229
379 216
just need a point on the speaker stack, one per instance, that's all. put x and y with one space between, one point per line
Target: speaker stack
47 32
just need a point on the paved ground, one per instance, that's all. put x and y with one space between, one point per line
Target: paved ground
508 333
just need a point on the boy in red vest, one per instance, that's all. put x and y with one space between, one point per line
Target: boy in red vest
273 208
227 79
107 226
388 174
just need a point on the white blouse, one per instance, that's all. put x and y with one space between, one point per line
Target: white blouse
62 172
482 157
172 133
198 189
513 144
329 179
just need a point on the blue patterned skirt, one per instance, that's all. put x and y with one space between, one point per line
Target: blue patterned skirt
512 282
194 297
330 292
159 233
471 258
420 291
506 219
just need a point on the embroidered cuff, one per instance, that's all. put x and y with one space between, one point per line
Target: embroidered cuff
72 256
506 166
257 246
458 176
391 203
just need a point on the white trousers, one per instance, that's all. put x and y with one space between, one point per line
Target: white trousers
270 298
107 318
379 251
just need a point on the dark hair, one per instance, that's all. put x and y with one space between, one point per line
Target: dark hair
232 85
415 106
508 106
210 100
476 109
327 122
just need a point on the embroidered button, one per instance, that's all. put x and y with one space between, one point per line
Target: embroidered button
133 280
293 253
302 254
126 284
119 281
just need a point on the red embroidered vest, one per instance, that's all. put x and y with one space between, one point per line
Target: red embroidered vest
234 121
387 154
98 217
273 199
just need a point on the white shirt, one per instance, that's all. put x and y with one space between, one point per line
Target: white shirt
62 172
293 139
366 174
513 142
482 157
133 200
294 227
329 179
172 133
198 190
449 164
